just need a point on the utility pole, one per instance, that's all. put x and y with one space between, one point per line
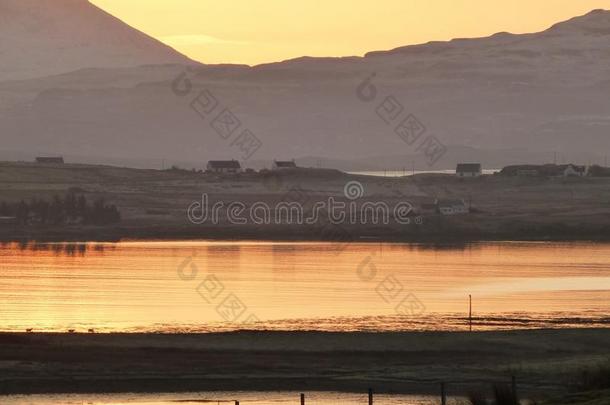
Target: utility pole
470 311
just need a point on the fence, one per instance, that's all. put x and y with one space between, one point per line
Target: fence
502 392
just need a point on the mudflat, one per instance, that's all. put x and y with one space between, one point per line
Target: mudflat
542 361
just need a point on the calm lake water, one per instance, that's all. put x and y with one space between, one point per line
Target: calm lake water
217 286
221 398
410 172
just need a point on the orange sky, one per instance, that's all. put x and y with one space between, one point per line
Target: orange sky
257 31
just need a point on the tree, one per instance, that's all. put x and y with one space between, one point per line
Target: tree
62 210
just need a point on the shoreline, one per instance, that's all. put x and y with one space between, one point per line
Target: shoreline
302 234
390 362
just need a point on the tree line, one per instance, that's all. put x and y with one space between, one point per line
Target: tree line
70 209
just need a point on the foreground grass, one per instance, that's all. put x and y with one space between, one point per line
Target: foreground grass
405 362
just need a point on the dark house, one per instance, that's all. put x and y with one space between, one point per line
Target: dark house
52 160
284 164
224 166
468 170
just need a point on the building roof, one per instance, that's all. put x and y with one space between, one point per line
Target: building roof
224 164
285 163
468 168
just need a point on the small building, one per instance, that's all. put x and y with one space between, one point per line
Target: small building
50 160
451 207
224 166
468 170
574 171
283 164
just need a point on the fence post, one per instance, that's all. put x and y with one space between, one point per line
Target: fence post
514 389
470 312
443 394
370 396
236 402
302 399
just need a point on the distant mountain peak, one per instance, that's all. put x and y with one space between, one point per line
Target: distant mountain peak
47 37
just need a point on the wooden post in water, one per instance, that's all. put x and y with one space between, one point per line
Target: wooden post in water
302 399
514 389
443 394
470 311
370 396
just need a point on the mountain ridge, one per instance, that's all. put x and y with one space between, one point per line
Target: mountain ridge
46 37
543 92
586 23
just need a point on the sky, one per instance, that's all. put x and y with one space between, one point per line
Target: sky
260 31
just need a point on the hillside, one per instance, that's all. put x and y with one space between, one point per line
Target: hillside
154 203
47 37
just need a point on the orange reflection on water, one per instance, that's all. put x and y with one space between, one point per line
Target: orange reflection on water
131 286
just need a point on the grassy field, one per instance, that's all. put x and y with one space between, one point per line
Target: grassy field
153 203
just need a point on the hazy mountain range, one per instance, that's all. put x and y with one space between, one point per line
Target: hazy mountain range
78 82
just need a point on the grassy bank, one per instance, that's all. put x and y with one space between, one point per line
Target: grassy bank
153 204
543 361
